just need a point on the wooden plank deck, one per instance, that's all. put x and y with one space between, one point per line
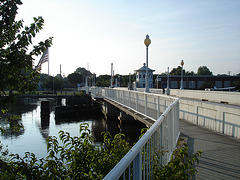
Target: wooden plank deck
221 154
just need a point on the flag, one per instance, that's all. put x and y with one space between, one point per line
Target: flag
43 59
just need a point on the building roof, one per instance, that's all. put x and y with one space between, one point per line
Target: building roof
144 68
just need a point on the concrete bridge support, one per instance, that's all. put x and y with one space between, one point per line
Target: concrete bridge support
129 126
110 111
123 117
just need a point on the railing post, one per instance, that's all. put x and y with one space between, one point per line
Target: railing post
158 107
145 104
137 167
136 101
129 97
122 97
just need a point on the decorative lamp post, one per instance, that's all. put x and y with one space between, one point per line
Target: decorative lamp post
111 75
182 63
147 42
168 88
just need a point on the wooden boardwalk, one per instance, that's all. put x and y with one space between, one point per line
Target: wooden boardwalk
221 154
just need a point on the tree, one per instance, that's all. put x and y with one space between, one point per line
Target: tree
203 70
75 78
190 73
16 62
82 71
178 71
103 81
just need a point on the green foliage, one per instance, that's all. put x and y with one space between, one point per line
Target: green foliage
78 158
12 120
103 81
181 165
177 71
68 158
82 71
203 70
81 93
75 78
15 61
52 83
124 79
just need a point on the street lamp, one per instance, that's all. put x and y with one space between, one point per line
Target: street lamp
147 42
182 63
168 88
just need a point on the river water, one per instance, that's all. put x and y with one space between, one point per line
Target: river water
33 137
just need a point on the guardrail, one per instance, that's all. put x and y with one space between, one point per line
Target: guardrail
160 138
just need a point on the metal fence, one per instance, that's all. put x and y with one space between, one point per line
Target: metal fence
157 144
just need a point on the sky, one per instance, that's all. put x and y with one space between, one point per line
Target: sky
93 34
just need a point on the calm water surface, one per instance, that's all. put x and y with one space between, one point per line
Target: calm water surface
33 137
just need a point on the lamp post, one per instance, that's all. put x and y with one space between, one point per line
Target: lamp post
168 88
182 63
111 75
147 42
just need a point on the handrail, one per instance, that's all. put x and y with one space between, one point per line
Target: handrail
161 137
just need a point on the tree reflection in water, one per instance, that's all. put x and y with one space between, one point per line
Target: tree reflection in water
37 128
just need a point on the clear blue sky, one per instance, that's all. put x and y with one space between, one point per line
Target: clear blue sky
94 34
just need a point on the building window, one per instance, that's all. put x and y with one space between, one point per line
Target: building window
139 75
143 76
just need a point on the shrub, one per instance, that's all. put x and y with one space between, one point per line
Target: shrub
69 158
181 165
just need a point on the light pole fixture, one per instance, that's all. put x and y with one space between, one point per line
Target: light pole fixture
147 42
111 85
182 63
168 88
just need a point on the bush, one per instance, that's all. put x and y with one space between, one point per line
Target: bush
69 158
181 165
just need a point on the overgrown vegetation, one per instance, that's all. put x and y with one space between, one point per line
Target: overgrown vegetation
68 158
181 165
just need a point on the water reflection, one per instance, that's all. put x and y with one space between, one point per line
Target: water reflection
38 127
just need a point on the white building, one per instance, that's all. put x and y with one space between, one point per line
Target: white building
141 77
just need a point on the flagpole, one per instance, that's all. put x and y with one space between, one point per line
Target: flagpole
48 61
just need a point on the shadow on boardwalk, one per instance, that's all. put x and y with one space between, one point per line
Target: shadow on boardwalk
221 154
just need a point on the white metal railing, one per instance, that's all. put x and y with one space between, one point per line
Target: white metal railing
148 104
161 137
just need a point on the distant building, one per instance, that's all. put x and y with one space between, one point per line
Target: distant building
196 81
141 79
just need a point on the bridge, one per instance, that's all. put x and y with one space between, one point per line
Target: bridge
209 121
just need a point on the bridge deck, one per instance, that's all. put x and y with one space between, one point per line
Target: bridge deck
221 154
